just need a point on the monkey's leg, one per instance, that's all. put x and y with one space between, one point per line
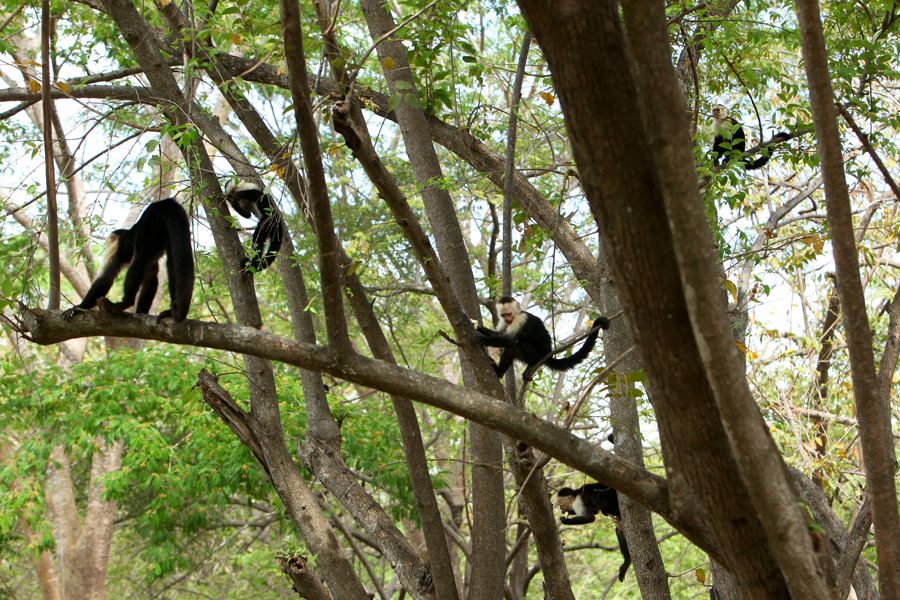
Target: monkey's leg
149 285
626 555
134 276
506 360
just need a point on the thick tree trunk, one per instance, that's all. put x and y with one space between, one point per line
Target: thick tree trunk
82 552
617 169
637 521
874 417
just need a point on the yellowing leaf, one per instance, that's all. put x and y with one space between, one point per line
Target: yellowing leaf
334 150
388 63
548 98
740 346
63 86
34 86
816 241
732 289
701 575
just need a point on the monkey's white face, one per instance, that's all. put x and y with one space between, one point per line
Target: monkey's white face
565 503
719 112
509 311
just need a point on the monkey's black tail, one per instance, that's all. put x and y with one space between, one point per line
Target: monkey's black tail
755 164
564 364
764 159
180 263
272 227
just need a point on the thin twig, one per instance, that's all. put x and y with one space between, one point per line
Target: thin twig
864 140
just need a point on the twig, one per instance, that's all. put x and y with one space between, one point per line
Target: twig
864 140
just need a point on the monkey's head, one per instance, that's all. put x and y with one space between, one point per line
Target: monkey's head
508 308
113 240
719 112
232 188
565 498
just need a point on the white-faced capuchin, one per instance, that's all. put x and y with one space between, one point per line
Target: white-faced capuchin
730 140
585 503
524 337
248 198
163 228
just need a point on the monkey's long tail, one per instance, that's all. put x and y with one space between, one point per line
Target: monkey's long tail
564 364
763 160
755 164
180 263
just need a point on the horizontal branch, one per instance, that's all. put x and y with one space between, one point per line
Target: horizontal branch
94 92
47 327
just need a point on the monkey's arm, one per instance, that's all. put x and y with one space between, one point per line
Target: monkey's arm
98 289
578 520
489 337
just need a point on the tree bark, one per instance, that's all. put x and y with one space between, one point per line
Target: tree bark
266 422
648 489
620 181
637 521
82 552
488 543
874 418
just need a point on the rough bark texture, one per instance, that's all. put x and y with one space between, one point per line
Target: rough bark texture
326 238
759 460
306 584
637 521
322 451
620 182
837 534
874 419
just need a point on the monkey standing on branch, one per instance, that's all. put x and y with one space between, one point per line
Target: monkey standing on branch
163 228
524 337
248 198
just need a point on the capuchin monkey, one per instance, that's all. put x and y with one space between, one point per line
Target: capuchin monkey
524 337
585 503
247 198
730 140
163 228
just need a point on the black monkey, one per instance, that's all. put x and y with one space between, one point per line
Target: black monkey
163 228
585 503
523 336
730 138
247 198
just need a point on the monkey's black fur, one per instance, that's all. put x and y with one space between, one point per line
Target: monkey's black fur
730 140
590 499
526 338
163 228
247 198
